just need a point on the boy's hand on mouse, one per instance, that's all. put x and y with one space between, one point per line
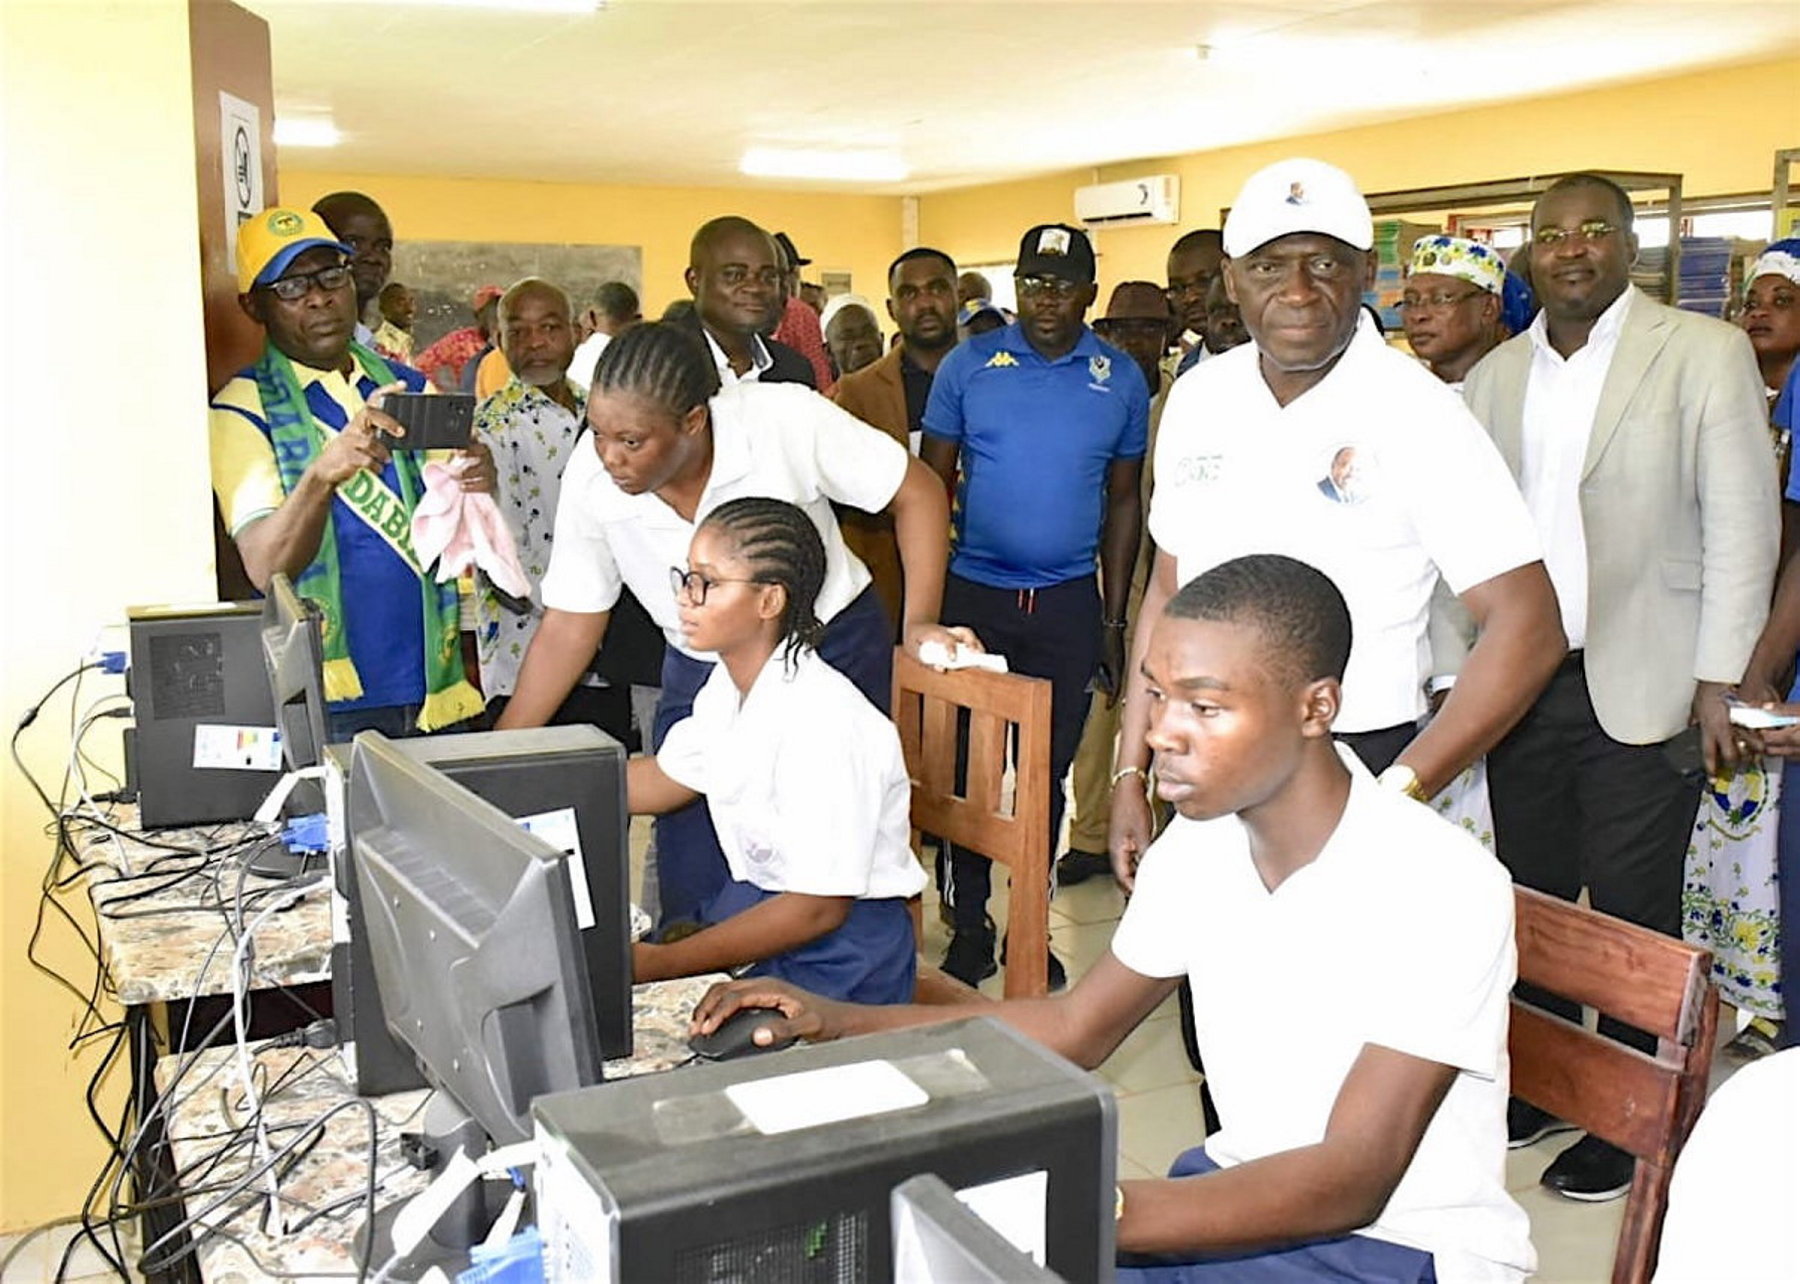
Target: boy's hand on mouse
804 1015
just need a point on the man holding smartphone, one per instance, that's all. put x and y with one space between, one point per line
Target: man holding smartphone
312 483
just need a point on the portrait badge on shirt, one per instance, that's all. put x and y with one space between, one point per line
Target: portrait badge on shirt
1348 474
1099 371
1197 470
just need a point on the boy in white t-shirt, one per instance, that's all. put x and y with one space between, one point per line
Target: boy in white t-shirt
1368 1141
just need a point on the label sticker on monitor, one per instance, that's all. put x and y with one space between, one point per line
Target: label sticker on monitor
813 1098
1016 1207
558 828
221 747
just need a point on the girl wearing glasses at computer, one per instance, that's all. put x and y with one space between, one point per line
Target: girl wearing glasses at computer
667 445
808 791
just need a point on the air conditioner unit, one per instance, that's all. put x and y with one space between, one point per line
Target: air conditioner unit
1156 199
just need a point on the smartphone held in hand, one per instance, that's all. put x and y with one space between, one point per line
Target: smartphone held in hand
433 420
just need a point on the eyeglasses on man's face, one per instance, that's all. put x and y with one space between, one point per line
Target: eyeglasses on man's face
1437 300
1046 286
291 289
1583 234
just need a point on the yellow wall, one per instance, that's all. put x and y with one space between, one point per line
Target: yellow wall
104 493
857 234
1719 129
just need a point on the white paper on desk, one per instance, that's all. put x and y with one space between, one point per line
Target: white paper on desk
558 828
237 748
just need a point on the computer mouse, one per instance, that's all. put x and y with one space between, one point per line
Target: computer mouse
735 1036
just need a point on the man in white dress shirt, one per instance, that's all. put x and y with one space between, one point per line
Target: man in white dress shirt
1639 437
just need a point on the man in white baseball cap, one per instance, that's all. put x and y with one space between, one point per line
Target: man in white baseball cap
1318 441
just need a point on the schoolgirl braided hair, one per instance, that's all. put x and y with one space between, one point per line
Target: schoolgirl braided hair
665 363
781 546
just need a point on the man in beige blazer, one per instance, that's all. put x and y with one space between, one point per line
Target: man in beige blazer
1638 435
890 394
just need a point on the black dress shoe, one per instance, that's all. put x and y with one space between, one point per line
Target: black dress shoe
1055 977
1076 866
970 958
1525 1123
1592 1171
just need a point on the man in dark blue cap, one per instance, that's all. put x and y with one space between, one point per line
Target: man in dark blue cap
1043 408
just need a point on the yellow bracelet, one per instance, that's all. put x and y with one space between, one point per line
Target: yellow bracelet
1118 1202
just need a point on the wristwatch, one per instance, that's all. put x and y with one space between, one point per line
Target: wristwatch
1402 779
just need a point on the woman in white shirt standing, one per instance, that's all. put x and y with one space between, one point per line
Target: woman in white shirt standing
808 790
666 447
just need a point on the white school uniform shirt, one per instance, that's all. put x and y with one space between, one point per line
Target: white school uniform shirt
779 441
1561 398
1425 494
805 780
1399 933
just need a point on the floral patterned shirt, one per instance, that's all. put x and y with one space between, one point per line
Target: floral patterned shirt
455 350
532 438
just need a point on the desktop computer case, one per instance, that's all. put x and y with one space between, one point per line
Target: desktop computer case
662 1178
193 667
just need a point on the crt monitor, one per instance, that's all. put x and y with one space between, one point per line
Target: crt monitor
293 652
472 932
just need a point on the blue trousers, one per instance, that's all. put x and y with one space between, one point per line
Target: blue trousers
690 868
1346 1258
870 958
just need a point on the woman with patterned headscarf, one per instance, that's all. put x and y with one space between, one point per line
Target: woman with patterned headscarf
1771 317
1742 894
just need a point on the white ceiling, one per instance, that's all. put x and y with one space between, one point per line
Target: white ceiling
673 91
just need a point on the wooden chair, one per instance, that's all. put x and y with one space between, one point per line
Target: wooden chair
925 710
1641 1103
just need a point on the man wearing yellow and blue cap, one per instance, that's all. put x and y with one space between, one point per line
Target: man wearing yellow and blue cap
1451 304
309 489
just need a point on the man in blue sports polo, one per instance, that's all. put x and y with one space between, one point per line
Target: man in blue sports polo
1048 426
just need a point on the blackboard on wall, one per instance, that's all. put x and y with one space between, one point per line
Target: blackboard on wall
444 275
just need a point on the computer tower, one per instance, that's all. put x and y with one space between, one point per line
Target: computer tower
528 772
204 749
780 1166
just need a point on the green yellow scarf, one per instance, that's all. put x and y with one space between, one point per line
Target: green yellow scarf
297 439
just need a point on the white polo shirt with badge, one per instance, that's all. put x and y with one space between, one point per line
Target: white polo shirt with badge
805 780
1399 933
1378 476
777 441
